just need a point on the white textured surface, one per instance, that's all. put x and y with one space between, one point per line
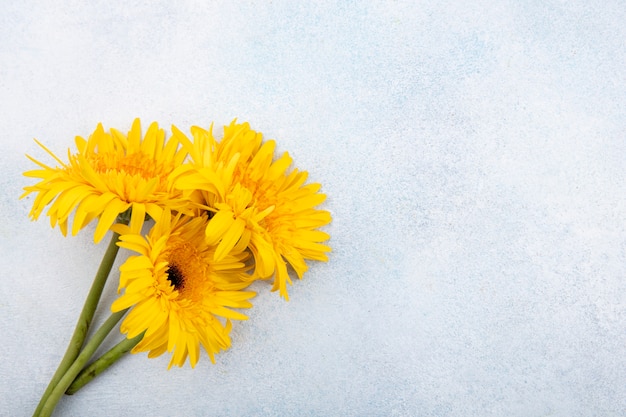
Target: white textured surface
474 159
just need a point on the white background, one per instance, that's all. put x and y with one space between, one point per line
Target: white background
474 161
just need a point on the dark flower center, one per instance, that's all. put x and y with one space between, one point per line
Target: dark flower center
175 277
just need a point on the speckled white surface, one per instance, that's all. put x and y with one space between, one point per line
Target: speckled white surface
474 159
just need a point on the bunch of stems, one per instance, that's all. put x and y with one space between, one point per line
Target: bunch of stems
73 372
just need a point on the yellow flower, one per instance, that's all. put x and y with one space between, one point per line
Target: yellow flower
110 173
177 290
254 201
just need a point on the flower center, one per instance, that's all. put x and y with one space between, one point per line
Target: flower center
175 277
187 270
136 177
135 164
264 193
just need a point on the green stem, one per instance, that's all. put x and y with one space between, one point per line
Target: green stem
80 362
102 363
82 326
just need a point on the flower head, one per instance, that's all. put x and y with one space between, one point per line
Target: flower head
178 291
109 174
255 201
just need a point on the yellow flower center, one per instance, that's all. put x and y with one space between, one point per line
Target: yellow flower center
264 193
187 270
135 177
135 164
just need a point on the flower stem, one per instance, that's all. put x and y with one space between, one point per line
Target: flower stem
82 326
102 363
79 363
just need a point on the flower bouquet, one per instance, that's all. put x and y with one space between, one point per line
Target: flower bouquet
222 214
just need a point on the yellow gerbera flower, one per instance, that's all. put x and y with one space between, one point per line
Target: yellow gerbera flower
177 289
110 173
254 201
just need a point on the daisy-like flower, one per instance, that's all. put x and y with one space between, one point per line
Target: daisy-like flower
178 291
254 201
109 174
